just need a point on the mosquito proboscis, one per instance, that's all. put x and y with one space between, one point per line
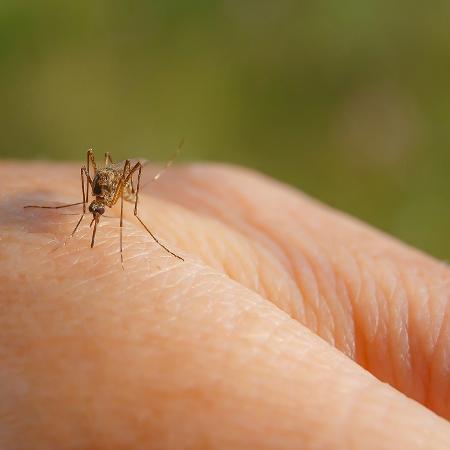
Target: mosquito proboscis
110 183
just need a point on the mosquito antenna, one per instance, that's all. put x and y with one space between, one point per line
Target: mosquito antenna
168 163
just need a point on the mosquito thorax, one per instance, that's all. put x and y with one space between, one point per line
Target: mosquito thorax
106 182
100 183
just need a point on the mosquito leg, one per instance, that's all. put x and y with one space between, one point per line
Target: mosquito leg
89 183
126 167
137 188
90 158
82 189
133 191
83 173
54 207
138 165
108 158
156 239
121 229
127 178
75 229
84 196
69 204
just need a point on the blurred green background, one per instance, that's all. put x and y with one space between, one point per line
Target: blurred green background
349 101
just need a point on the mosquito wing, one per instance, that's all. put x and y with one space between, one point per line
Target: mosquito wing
120 165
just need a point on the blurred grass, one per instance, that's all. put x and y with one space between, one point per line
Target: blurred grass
349 101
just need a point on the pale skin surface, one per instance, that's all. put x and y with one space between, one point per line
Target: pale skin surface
222 350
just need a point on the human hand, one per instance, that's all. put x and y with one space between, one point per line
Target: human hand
221 350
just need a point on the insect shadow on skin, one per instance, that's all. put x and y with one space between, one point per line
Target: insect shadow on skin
110 183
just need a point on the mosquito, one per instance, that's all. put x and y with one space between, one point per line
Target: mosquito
110 183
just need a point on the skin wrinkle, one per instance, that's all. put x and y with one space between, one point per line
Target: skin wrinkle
326 273
198 200
420 342
307 286
349 332
447 366
190 188
443 336
220 244
288 298
407 367
229 253
343 257
338 306
364 317
240 274
373 311
322 297
438 367
430 347
326 323
325 333
346 264
395 343
255 275
436 311
443 317
386 372
421 311
293 303
400 312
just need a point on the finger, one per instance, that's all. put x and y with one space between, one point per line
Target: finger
377 327
380 302
171 355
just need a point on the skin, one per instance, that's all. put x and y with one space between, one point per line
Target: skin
288 325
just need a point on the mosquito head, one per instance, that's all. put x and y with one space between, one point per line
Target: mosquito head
97 209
